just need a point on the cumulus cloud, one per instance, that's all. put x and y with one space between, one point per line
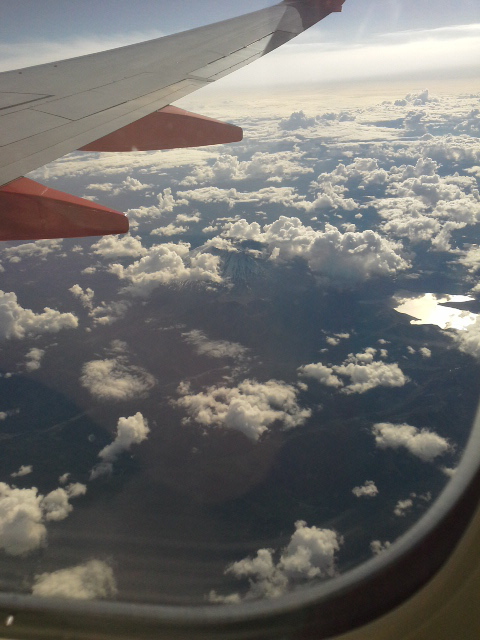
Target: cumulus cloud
168 230
115 379
34 359
39 249
129 184
120 247
131 430
310 554
266 166
214 348
17 322
251 407
23 513
297 120
368 489
168 264
23 471
85 296
364 372
105 312
339 258
166 204
322 373
424 444
402 507
88 581
366 376
377 547
336 338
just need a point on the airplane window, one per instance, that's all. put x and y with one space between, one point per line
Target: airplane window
273 376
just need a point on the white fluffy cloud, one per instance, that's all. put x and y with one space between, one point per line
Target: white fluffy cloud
377 547
129 184
368 489
322 373
364 372
251 407
340 258
424 444
310 554
24 470
17 322
23 513
131 430
166 264
119 247
116 379
267 166
214 348
402 507
21 520
34 359
38 249
88 581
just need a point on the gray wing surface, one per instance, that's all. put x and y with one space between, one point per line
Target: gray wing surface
52 109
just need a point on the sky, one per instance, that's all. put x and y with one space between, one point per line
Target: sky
368 40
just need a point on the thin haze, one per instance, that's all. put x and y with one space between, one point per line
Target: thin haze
368 40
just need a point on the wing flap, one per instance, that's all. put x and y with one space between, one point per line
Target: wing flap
170 128
31 211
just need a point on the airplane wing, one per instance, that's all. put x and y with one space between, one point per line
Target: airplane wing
119 100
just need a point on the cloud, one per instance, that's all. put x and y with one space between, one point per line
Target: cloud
424 444
366 376
251 407
17 322
166 204
168 230
116 379
119 247
322 373
214 348
168 264
34 359
56 505
104 313
132 430
335 257
129 184
336 338
264 166
297 120
23 471
377 547
368 489
310 554
402 507
88 581
23 513
21 520
38 249
364 372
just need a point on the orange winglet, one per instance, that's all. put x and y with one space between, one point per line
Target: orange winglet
31 211
169 128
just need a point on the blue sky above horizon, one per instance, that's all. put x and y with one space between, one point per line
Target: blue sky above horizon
388 38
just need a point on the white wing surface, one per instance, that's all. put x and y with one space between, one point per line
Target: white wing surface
52 109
